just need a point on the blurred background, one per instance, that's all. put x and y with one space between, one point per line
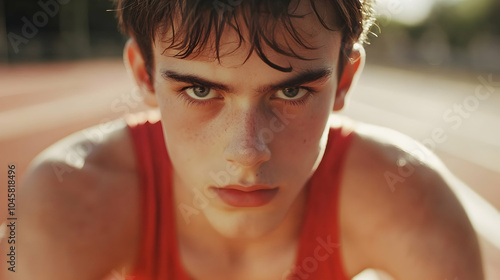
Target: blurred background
433 72
460 34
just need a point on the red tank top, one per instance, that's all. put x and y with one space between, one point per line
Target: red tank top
319 254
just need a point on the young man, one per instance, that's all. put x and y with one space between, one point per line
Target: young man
246 176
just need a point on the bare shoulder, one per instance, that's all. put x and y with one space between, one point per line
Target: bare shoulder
79 202
399 213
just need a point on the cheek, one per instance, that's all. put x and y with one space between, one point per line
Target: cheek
187 135
301 142
310 127
305 137
189 139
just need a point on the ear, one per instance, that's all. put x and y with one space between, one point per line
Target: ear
136 67
353 67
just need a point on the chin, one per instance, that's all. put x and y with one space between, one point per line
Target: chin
244 223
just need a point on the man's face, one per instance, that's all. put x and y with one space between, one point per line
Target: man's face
246 124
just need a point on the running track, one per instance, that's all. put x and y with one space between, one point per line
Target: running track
41 103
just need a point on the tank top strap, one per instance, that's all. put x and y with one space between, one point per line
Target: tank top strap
157 258
319 254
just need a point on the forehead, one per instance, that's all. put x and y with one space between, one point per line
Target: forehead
234 53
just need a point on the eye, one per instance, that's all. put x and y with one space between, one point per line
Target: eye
291 93
200 92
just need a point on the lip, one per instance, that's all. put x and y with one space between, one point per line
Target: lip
252 196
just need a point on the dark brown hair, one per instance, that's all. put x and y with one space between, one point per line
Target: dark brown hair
191 22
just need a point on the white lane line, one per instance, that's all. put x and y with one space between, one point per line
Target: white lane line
454 145
482 124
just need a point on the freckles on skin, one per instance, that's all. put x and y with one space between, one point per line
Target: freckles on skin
189 143
185 130
304 135
195 144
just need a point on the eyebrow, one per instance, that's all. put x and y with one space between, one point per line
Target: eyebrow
193 79
304 77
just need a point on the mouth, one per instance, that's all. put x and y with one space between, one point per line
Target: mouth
240 196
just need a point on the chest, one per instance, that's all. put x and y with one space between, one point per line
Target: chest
273 266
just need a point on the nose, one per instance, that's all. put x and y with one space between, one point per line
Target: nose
247 146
